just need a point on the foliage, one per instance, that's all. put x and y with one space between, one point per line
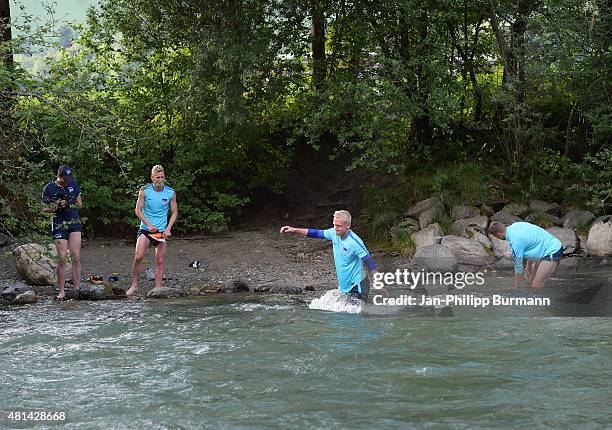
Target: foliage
457 99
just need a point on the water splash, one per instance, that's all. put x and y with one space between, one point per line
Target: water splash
336 301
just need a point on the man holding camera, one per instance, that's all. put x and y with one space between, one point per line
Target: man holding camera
63 197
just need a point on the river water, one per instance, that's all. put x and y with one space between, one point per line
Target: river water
218 363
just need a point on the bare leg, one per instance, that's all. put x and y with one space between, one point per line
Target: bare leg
142 243
160 252
62 248
532 268
74 243
545 269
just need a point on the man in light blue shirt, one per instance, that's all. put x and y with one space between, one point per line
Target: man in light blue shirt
349 254
541 249
154 202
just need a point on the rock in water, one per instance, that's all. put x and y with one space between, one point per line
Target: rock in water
11 292
25 298
235 286
277 288
165 293
101 292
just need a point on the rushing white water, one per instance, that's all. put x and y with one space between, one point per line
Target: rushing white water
336 301
214 362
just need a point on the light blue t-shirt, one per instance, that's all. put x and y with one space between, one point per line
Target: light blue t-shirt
156 205
530 242
347 258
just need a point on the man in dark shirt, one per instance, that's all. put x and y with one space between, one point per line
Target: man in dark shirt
62 197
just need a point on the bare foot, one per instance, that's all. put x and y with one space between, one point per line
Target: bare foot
60 296
131 291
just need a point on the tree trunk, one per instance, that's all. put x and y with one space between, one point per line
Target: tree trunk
5 20
421 125
318 44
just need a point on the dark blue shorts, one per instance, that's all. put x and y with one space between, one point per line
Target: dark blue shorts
146 233
63 230
557 256
365 290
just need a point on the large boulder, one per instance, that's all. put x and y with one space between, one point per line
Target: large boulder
428 236
436 258
504 264
501 248
479 223
407 226
468 251
505 218
543 219
517 209
428 216
577 218
542 206
100 292
463 211
421 207
36 263
599 241
568 238
487 210
478 236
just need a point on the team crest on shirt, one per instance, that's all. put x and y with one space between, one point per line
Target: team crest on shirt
345 250
70 189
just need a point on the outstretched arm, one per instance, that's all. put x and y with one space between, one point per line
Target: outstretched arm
308 232
289 229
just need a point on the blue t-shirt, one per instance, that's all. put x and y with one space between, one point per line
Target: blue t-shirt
156 205
347 258
53 192
530 242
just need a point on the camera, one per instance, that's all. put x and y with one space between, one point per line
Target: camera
63 202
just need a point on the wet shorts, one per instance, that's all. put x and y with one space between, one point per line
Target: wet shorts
557 256
62 231
146 233
365 290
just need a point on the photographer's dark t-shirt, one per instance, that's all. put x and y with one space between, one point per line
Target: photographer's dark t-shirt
53 192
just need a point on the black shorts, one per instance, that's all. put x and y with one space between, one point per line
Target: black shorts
557 256
63 230
365 290
146 233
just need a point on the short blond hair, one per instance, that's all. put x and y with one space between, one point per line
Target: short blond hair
496 228
157 169
345 215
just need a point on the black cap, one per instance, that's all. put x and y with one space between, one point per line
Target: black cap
65 172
